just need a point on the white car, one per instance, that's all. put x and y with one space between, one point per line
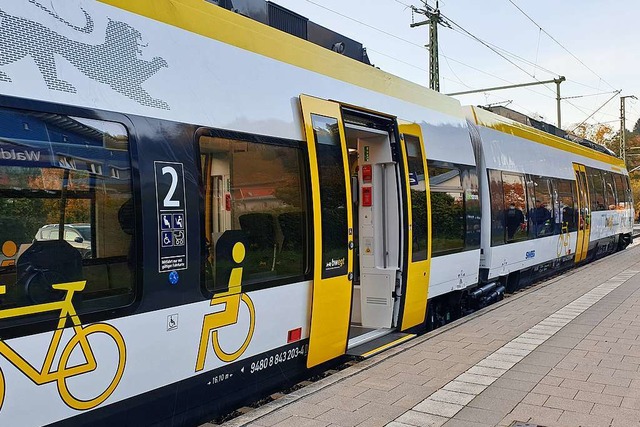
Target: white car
77 235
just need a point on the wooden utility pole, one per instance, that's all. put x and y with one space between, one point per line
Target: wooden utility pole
433 19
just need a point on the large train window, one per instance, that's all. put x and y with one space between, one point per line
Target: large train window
610 199
541 218
447 208
66 212
596 189
497 208
565 208
253 195
622 190
515 207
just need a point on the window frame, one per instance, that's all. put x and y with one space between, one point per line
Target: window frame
306 201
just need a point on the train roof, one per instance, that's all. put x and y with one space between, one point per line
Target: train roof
503 124
217 23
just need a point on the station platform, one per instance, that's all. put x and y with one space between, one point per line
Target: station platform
565 352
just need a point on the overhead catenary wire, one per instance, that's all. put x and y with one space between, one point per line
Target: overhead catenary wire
558 43
489 45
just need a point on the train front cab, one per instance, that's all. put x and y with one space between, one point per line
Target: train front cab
360 175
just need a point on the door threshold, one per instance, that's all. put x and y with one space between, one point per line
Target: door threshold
359 335
377 345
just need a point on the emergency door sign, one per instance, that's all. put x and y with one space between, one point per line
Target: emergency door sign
172 218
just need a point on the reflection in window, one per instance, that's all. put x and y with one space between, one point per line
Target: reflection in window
565 207
596 189
66 210
541 213
253 195
497 208
447 208
333 196
610 201
418 198
515 203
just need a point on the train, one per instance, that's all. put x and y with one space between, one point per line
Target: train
197 208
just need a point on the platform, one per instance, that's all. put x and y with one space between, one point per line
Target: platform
565 352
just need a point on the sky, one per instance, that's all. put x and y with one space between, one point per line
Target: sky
592 43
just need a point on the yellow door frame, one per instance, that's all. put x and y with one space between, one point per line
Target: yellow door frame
417 289
331 303
584 212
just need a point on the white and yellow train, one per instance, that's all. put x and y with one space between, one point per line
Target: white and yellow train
303 205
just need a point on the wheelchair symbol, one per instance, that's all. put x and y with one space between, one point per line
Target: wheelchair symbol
167 239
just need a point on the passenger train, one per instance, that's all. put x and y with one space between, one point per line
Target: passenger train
197 208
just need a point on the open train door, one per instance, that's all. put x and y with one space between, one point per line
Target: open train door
416 293
584 212
332 229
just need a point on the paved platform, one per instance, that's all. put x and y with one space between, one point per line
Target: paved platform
563 353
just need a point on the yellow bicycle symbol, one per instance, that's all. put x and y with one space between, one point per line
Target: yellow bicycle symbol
81 337
564 240
227 316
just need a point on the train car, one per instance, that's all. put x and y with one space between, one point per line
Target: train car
197 208
548 203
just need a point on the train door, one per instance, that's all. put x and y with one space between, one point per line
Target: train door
584 212
419 229
358 230
333 229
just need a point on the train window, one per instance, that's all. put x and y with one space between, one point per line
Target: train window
541 213
66 212
418 198
497 208
564 208
471 207
253 195
621 190
333 196
596 189
514 208
447 208
610 200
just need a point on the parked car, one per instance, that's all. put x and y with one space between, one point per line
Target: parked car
77 235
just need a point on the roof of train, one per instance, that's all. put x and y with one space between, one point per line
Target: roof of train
214 22
503 124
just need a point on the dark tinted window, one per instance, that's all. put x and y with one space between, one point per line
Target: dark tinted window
66 211
447 208
515 207
333 196
596 189
418 198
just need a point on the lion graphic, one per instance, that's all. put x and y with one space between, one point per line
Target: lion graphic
115 62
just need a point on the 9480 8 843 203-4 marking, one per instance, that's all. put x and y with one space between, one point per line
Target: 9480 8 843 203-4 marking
281 357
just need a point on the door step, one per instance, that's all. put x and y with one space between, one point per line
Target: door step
373 347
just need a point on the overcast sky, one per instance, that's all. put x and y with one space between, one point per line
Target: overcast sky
598 53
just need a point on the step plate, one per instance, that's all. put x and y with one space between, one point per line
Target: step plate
378 345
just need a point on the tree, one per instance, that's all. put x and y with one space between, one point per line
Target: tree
636 128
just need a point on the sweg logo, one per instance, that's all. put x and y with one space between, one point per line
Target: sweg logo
334 263
20 155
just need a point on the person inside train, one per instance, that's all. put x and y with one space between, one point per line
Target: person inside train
514 218
539 217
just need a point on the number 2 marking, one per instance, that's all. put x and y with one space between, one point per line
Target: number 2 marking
167 202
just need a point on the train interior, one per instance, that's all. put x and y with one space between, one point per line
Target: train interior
377 232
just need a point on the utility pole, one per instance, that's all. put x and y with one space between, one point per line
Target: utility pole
623 136
557 81
433 19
